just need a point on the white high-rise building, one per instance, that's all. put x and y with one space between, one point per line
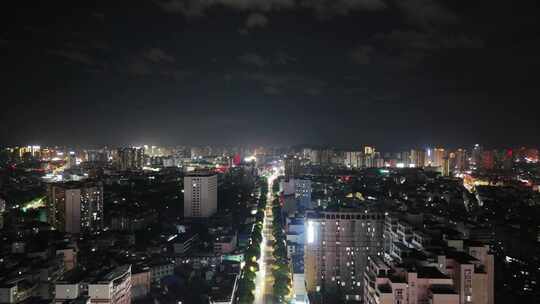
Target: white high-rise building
200 195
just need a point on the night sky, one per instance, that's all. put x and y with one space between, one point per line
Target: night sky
394 73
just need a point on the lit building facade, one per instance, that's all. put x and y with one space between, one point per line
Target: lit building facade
292 166
488 160
130 158
337 247
113 288
75 207
439 155
418 158
394 285
354 159
200 195
461 271
459 161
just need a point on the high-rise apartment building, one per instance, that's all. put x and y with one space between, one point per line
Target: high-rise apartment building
75 207
315 156
476 156
337 246
71 160
488 160
292 166
353 159
130 158
439 154
460 162
418 158
404 159
434 157
200 194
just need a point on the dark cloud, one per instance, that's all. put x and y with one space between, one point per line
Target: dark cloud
195 8
157 55
283 58
428 74
279 58
152 62
362 54
255 20
99 16
253 59
427 13
270 90
313 91
100 45
412 39
75 56
292 83
342 7
139 67
407 48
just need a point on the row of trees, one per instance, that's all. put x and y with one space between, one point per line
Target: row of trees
246 284
281 269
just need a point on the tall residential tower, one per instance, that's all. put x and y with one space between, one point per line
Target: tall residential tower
200 195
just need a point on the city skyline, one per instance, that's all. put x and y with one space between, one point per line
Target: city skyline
263 225
270 151
270 72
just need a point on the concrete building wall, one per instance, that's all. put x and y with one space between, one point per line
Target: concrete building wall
100 292
73 211
444 299
75 207
8 294
69 257
66 292
479 289
140 284
200 195
337 247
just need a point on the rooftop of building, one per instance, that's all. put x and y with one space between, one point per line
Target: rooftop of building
460 257
430 272
473 243
442 289
200 174
116 273
76 184
367 209
78 275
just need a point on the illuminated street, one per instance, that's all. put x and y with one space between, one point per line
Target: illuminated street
265 280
